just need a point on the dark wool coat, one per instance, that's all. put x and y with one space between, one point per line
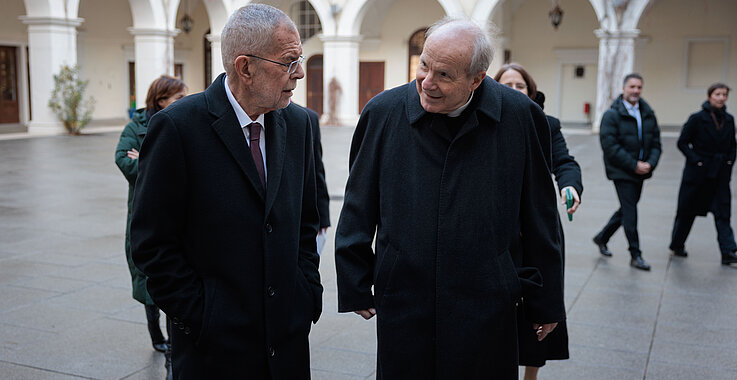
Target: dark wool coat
567 173
131 138
445 211
234 266
621 145
323 198
700 141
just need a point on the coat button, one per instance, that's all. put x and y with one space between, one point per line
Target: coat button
268 228
271 291
187 331
272 352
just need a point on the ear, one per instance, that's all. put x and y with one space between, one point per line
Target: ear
477 79
161 103
243 67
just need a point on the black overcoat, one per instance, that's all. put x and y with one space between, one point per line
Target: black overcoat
234 266
445 211
621 145
700 141
323 198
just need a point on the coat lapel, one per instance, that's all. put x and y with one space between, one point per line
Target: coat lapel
226 126
276 142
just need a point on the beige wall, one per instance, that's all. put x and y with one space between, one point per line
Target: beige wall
401 20
533 41
11 28
101 55
189 47
662 56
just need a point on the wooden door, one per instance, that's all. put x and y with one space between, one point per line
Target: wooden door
314 83
9 85
370 82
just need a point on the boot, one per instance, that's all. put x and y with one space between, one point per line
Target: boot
729 258
157 338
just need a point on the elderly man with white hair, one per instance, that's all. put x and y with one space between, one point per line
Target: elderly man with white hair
225 215
445 172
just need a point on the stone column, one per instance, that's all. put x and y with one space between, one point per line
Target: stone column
216 61
340 62
52 43
154 56
616 59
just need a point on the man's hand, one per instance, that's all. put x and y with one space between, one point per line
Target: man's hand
133 154
643 168
576 199
543 330
366 314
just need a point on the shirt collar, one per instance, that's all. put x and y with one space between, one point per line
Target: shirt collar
631 107
460 110
242 116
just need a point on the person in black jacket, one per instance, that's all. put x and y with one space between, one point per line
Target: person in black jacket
630 141
534 353
707 140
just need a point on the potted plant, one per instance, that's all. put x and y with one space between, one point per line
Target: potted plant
67 100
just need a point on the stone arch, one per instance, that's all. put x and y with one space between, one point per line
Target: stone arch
51 8
324 12
352 16
606 14
151 14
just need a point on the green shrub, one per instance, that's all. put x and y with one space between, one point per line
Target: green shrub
67 100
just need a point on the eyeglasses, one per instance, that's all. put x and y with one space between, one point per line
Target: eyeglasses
291 67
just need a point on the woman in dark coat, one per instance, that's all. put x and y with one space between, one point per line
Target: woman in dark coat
534 353
708 142
163 91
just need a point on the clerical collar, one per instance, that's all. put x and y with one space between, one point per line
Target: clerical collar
462 108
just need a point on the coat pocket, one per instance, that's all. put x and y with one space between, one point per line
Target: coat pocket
387 260
210 292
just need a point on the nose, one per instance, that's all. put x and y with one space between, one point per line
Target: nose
428 83
299 73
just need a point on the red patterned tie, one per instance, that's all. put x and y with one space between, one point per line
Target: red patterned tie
255 130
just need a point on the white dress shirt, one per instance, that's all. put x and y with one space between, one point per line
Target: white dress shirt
245 121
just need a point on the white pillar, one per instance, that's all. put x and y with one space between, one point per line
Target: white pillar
52 43
616 59
216 56
154 56
340 61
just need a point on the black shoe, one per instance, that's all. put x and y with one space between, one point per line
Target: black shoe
680 252
729 258
603 249
639 263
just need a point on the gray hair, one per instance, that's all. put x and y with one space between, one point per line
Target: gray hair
483 52
250 30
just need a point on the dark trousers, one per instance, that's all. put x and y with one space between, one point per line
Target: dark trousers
628 193
725 235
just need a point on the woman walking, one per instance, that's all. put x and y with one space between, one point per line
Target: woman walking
163 91
708 142
532 352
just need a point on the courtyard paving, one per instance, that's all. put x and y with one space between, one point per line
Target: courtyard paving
66 310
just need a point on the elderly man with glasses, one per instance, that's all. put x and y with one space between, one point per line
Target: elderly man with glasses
225 214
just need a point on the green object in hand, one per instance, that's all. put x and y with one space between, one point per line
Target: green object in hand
569 203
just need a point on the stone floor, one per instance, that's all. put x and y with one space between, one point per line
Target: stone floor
66 310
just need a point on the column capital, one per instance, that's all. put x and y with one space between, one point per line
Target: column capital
354 39
32 20
153 32
617 34
213 37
